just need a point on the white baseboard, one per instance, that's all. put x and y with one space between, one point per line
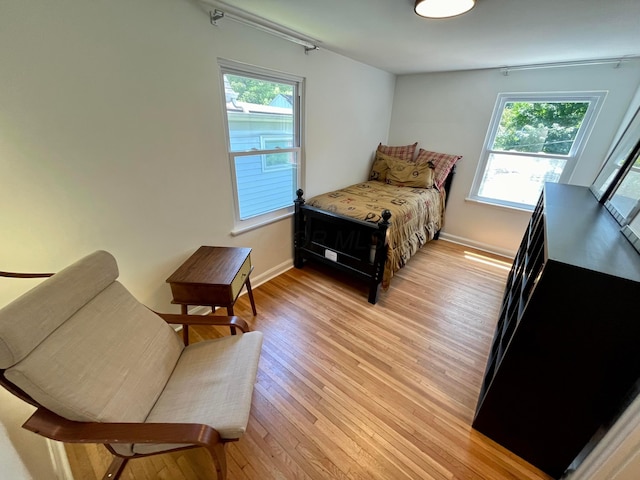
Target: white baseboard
59 460
478 245
271 273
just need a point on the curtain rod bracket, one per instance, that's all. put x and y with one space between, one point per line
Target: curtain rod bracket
215 15
616 62
310 49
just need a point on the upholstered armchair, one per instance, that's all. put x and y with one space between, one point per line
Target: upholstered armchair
102 368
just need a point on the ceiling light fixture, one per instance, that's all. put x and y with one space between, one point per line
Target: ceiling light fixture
443 8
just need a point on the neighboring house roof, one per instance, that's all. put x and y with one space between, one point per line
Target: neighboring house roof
282 100
255 108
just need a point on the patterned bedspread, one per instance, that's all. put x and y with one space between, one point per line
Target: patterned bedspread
417 215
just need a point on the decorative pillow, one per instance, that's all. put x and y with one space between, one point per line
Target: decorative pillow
381 166
443 163
404 152
410 174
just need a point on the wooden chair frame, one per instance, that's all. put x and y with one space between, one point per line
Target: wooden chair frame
50 425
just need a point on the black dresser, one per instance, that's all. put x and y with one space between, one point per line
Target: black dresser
566 352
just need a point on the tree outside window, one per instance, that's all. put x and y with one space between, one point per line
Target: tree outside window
532 139
541 127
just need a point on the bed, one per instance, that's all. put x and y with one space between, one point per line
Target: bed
372 229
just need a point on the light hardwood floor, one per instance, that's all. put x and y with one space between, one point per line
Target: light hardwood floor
349 390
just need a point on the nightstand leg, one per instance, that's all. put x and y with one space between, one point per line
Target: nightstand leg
253 303
185 328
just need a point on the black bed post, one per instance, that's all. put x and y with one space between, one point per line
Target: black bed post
447 184
298 229
380 257
447 188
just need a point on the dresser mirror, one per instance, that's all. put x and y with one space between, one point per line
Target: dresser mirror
634 225
624 204
632 232
612 184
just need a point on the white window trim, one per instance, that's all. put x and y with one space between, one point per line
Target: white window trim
249 223
232 67
265 152
595 99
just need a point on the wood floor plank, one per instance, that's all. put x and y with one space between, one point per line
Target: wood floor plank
352 391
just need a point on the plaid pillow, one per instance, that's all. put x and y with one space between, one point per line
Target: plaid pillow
404 152
443 163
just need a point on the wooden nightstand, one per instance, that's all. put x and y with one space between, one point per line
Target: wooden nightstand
212 277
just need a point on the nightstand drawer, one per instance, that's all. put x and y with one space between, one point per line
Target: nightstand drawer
238 281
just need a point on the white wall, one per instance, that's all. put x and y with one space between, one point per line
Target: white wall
111 137
23 455
111 134
450 112
617 456
634 105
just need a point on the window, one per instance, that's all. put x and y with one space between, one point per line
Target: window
263 136
533 139
275 160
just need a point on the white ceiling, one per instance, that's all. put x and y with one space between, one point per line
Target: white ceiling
387 33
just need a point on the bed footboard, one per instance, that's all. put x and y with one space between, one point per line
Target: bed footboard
354 246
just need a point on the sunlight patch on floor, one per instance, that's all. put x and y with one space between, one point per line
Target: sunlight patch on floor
476 257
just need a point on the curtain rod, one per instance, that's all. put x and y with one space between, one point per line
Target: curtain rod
617 61
221 10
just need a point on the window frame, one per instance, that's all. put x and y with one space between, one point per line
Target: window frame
595 99
236 68
269 151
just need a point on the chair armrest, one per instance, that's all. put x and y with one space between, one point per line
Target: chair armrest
25 275
48 424
215 320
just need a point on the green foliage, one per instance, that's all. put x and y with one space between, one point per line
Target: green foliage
256 91
538 127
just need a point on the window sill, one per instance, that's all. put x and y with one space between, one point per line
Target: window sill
499 205
242 229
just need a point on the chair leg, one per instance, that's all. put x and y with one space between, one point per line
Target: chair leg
115 469
219 460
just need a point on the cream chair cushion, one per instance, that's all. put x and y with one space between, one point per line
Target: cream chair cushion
44 308
89 351
108 363
212 384
86 348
